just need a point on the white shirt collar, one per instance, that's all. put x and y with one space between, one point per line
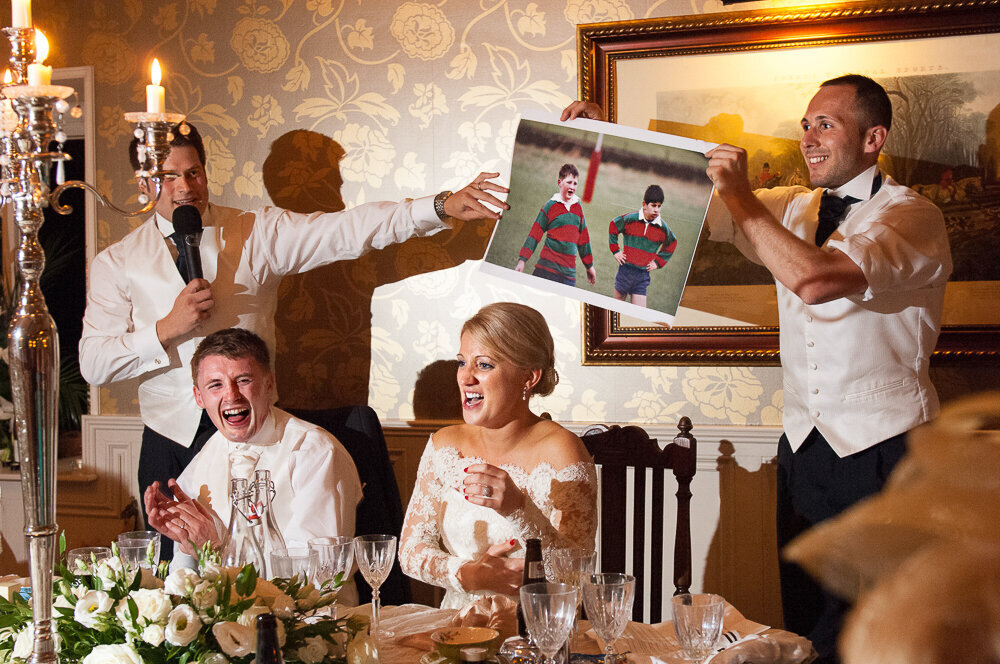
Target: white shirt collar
860 187
657 221
574 199
166 226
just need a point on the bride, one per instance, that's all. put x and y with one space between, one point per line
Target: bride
506 475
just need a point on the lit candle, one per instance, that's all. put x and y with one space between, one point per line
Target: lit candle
155 93
20 14
38 73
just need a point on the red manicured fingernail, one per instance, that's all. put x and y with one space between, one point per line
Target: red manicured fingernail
465 470
466 497
513 542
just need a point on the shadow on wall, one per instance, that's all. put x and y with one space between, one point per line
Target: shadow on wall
742 563
323 322
435 393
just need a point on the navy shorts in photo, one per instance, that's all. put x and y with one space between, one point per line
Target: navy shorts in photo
552 276
631 280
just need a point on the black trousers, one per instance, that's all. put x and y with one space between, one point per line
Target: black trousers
161 459
814 484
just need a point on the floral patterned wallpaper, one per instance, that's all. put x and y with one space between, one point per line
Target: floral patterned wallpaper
321 104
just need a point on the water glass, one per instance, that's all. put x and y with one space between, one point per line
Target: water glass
375 555
298 561
698 623
334 558
85 560
141 538
609 598
572 566
549 610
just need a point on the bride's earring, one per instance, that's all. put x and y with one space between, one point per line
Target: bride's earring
524 395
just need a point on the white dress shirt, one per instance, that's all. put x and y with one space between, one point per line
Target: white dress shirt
856 368
316 484
244 255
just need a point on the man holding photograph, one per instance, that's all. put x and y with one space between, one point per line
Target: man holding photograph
860 264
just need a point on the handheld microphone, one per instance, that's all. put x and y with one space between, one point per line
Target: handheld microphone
187 223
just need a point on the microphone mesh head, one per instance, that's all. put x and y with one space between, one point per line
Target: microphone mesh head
187 220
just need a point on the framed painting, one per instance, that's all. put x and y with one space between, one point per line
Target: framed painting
745 78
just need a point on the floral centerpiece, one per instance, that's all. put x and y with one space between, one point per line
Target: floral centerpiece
111 616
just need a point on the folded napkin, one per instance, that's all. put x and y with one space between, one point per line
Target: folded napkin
495 611
771 648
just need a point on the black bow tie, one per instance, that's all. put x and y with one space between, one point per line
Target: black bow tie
831 211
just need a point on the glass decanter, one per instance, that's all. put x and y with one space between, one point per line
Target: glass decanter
265 525
241 545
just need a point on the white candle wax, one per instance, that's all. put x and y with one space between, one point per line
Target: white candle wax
20 14
39 74
155 99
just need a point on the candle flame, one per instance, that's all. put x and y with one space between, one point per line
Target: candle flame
7 77
41 47
154 72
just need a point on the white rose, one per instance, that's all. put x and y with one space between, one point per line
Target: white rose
181 582
153 634
183 625
204 595
235 639
91 606
313 651
153 605
116 653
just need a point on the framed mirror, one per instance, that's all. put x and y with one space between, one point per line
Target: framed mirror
743 77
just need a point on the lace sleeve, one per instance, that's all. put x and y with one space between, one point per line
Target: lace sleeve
569 497
421 554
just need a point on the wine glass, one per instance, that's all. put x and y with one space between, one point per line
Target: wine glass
698 623
549 610
335 555
608 599
571 566
375 555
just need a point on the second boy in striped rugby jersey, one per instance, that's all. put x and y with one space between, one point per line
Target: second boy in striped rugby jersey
649 244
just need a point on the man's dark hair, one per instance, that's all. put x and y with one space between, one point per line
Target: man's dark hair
874 107
568 169
654 194
193 138
233 343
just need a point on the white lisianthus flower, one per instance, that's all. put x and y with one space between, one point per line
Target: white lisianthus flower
211 571
283 606
235 639
204 595
91 606
214 658
249 617
307 597
149 580
115 653
153 634
62 602
181 582
183 625
154 605
108 571
23 643
313 651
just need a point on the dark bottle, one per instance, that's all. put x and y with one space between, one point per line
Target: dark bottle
534 572
268 650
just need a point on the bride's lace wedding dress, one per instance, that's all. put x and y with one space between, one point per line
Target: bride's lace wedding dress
443 531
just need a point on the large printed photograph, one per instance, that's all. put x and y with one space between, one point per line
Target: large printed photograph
602 213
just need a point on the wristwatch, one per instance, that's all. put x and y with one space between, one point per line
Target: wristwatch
439 204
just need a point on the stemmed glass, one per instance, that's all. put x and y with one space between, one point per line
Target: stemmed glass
375 555
335 557
572 566
608 599
549 610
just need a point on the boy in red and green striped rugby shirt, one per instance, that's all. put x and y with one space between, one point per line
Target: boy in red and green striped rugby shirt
649 244
561 221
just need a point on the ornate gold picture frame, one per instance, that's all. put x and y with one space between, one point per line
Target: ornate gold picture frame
672 45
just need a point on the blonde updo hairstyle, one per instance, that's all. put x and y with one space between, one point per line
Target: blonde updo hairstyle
517 334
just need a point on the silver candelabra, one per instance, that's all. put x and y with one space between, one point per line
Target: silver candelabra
30 126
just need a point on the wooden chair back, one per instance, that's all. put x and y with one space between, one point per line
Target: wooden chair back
616 449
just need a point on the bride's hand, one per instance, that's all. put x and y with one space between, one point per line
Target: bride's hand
489 486
493 570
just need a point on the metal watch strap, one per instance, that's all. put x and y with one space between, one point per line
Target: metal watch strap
439 204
